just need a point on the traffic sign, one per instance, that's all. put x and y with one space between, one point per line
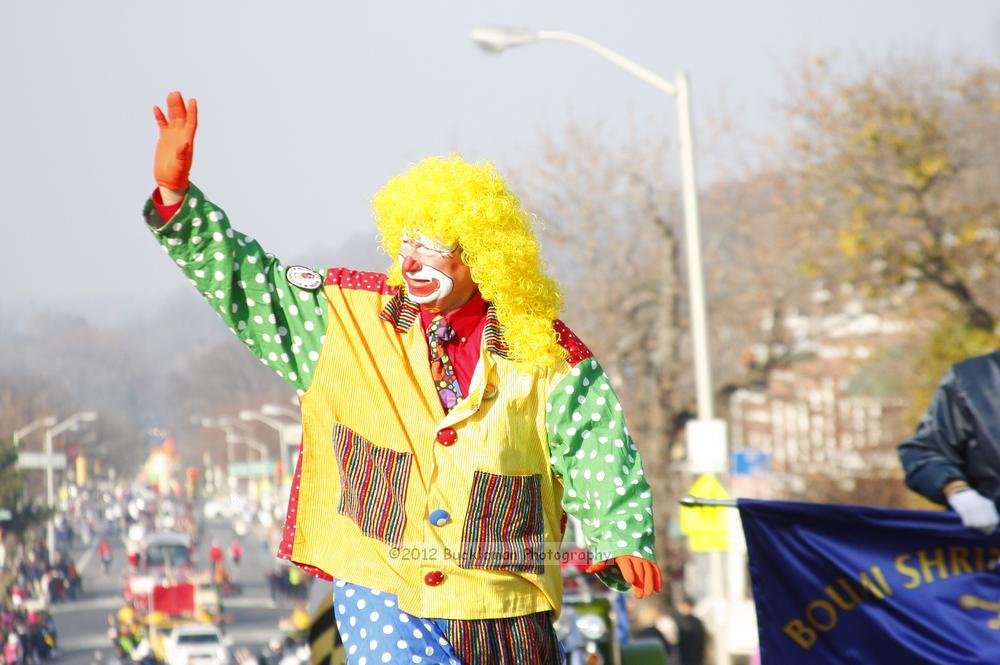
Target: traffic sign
34 460
5 515
706 526
706 446
748 462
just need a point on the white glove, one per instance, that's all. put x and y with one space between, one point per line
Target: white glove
977 512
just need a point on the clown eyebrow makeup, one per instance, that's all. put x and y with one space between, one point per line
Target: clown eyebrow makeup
425 246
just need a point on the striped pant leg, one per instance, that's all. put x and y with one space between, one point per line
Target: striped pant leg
524 640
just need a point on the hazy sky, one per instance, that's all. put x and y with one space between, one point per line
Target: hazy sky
308 107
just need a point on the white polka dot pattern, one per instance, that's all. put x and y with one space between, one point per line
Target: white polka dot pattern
359 280
602 473
234 273
375 630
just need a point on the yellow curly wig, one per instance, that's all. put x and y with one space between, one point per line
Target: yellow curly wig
453 201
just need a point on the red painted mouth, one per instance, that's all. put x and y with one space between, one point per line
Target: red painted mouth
420 287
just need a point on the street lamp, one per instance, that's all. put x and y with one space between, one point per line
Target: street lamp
275 410
53 430
708 433
211 423
497 40
236 437
260 417
47 421
243 434
228 426
289 434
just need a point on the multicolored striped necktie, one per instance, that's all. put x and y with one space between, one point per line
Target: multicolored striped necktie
445 382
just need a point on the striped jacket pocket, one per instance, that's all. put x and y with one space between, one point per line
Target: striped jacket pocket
372 485
503 524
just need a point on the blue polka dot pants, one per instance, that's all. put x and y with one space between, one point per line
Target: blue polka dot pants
376 631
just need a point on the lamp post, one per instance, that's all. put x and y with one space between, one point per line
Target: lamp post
289 434
241 433
276 410
496 40
212 423
47 421
51 432
704 433
233 436
236 437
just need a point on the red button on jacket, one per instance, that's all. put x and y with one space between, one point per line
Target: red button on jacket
433 578
447 436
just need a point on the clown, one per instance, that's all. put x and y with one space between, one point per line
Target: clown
449 417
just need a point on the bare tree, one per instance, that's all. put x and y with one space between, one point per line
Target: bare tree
610 233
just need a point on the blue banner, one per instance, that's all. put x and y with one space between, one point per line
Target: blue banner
836 584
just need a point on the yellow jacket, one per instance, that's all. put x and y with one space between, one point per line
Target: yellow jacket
377 466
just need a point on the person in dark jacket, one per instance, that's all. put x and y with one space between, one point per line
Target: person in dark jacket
691 634
954 456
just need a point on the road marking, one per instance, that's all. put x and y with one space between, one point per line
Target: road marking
253 602
241 637
111 602
99 603
85 559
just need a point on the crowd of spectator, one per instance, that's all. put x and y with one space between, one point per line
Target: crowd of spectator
30 584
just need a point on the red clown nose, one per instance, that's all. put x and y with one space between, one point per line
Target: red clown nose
411 265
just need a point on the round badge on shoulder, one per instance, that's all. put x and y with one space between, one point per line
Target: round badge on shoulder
304 278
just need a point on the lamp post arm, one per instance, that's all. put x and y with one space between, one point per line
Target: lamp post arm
631 67
61 427
256 446
270 422
276 410
29 428
23 432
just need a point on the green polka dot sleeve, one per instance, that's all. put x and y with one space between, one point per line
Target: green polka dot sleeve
591 449
282 325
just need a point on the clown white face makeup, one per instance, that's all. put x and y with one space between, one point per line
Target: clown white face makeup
434 273
425 284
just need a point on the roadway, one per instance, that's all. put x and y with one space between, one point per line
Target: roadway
83 624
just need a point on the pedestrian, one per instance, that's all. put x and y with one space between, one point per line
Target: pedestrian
664 631
13 652
464 417
104 552
215 557
215 552
953 458
17 597
236 552
274 584
691 634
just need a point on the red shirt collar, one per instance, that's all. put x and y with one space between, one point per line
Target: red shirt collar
464 319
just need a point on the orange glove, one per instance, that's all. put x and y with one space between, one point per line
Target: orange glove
175 149
642 574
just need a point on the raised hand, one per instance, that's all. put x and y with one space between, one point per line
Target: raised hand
175 147
643 575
